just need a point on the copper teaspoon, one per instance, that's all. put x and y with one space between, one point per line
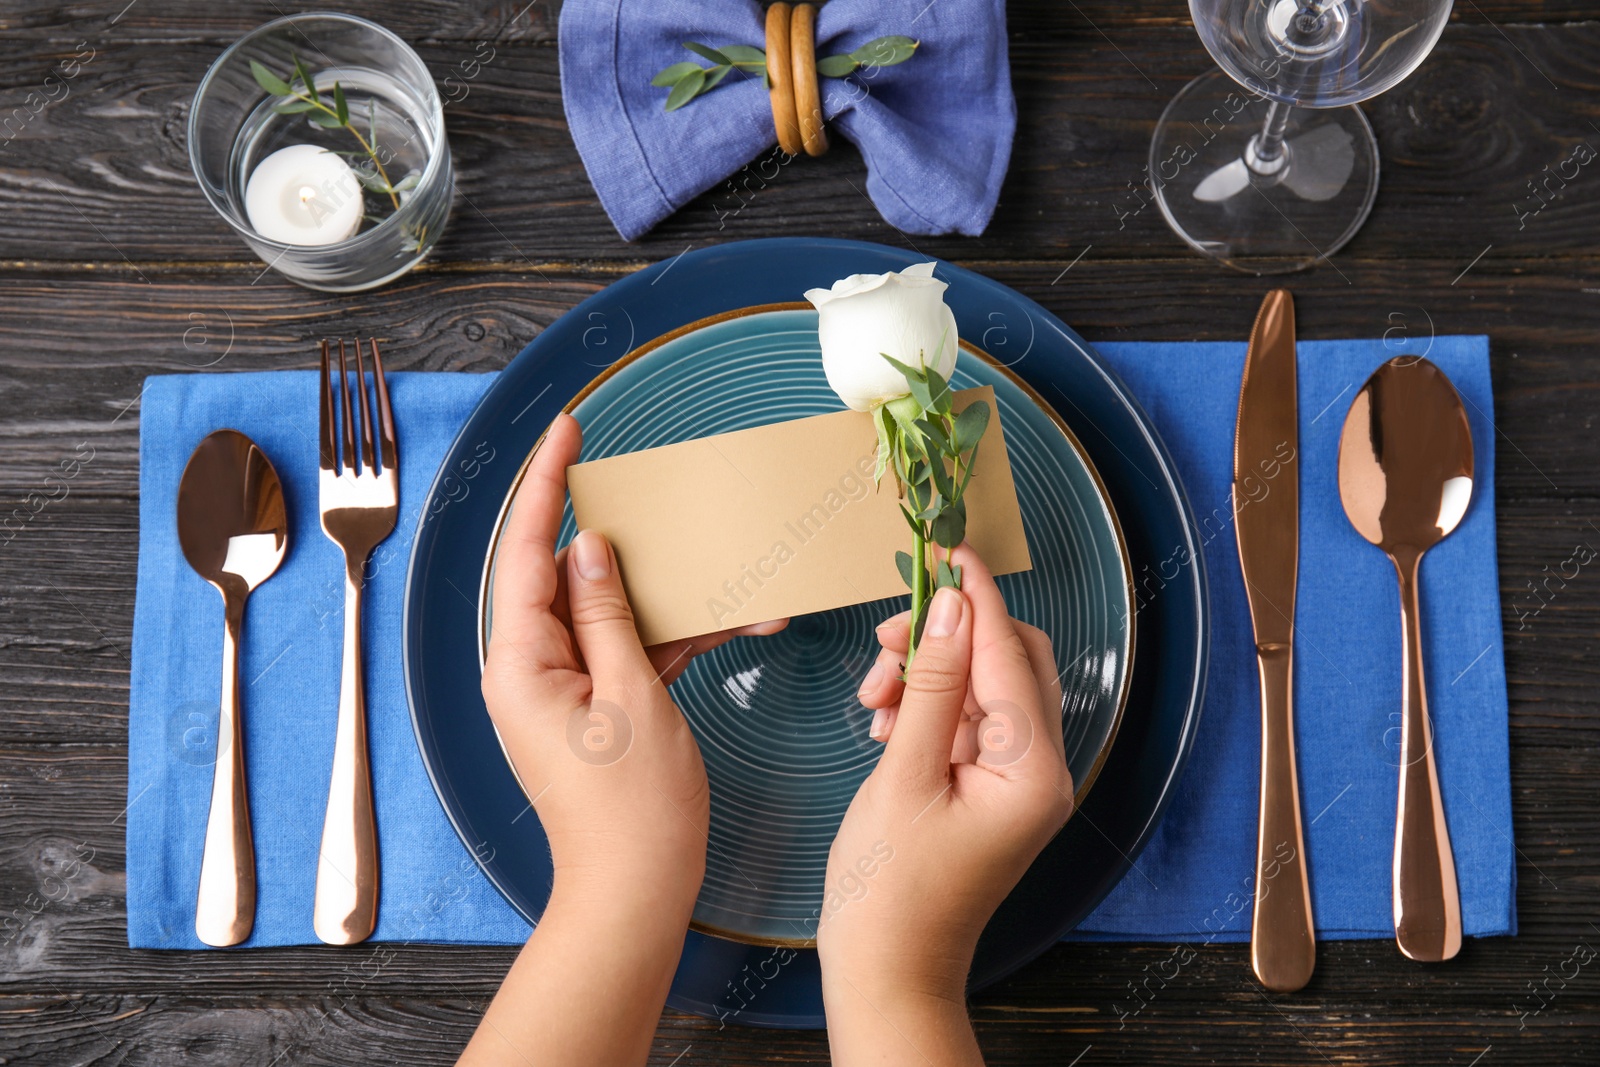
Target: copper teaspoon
1405 475
232 527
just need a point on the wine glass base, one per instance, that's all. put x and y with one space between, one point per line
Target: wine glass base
1261 217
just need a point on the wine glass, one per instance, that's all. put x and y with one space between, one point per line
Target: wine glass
1269 167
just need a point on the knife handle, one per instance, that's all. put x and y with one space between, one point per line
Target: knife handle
1283 945
1427 904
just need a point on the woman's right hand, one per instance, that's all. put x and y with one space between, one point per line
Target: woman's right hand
971 785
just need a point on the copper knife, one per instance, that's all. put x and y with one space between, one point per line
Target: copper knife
1266 518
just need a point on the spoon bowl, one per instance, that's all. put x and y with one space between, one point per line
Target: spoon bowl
1405 461
1405 477
231 520
233 530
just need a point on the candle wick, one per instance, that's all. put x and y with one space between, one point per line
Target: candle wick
307 193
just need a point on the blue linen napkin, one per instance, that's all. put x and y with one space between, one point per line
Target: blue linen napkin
1193 881
935 131
1189 881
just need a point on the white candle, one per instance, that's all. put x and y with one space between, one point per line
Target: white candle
303 195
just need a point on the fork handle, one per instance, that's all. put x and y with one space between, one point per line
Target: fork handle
347 869
1427 905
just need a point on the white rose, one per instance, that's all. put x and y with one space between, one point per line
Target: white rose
865 316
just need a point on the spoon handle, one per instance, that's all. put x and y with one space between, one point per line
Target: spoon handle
1283 940
225 908
346 909
1427 906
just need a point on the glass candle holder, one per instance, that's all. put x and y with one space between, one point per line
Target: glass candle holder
393 145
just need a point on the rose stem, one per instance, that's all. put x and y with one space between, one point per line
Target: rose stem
919 592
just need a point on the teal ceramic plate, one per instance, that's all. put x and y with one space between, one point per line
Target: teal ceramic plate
784 739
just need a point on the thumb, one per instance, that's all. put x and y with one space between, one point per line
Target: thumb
602 620
936 690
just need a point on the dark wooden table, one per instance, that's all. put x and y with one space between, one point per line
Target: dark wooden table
112 267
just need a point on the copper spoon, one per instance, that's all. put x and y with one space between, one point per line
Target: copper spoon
1405 475
233 530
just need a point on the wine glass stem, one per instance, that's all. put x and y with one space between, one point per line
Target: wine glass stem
1265 152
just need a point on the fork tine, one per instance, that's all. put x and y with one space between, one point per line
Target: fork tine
385 412
330 452
370 452
352 458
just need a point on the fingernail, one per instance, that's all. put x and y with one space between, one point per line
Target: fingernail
594 562
880 719
944 614
874 676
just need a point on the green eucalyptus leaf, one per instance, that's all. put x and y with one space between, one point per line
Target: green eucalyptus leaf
907 567
972 465
674 74
304 77
935 508
921 471
269 81
918 621
917 495
706 52
837 66
885 51
714 78
922 393
935 433
911 374
744 55
916 527
942 480
295 107
883 423
687 89
971 424
905 411
341 107
327 121
947 577
940 388
369 179
950 527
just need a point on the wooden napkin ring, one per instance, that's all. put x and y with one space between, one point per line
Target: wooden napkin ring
780 77
807 96
792 70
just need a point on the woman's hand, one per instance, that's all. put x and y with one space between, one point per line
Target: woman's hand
583 707
971 785
616 780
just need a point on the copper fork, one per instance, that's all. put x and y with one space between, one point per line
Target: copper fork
360 499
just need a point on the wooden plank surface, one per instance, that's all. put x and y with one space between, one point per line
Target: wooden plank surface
112 268
100 174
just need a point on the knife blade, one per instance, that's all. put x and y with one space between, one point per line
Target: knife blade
1266 513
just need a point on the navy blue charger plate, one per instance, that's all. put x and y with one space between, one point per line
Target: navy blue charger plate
781 986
